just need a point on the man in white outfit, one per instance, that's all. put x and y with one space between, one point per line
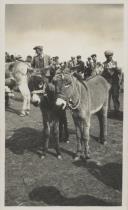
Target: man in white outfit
20 74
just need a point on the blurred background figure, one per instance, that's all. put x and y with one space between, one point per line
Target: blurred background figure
72 64
12 57
29 59
88 68
80 66
7 57
93 64
111 72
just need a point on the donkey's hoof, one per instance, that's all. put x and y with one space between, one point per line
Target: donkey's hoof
88 157
76 158
67 141
42 157
103 142
59 157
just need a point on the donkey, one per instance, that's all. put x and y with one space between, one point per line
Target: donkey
84 99
43 95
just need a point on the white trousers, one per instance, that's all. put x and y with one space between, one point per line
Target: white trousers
23 87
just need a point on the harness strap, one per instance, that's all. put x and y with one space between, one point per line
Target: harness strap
38 92
43 91
79 100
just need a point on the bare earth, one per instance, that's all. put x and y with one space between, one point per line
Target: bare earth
31 181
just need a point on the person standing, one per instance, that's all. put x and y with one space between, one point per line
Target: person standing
111 73
93 64
41 63
88 68
80 67
72 64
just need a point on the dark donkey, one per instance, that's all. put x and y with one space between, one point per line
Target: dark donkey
45 99
84 99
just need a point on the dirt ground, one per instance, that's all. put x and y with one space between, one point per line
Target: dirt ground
31 181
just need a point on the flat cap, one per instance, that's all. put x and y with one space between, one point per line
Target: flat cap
38 47
78 56
108 53
93 55
56 57
89 58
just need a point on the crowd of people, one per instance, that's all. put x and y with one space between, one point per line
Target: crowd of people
91 67
48 66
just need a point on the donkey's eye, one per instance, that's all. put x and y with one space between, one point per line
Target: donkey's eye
40 85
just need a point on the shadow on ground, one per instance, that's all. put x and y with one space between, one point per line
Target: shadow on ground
10 109
24 139
52 197
27 139
110 174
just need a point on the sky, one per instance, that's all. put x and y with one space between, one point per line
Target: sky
65 30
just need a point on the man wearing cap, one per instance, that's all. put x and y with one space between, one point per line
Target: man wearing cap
96 67
93 64
72 63
54 66
41 62
80 67
111 73
57 63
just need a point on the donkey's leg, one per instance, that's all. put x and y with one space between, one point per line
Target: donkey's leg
78 138
46 135
28 101
109 99
56 136
102 116
85 138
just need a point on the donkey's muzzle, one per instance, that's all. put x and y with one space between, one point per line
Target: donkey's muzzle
35 99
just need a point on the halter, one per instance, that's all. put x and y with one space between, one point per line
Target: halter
40 91
73 107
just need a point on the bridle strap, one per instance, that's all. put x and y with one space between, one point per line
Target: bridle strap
43 91
73 107
38 92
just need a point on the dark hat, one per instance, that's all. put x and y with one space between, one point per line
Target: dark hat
56 57
108 53
29 56
78 56
72 57
93 55
89 58
38 47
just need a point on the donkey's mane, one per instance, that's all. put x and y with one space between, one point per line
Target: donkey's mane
79 78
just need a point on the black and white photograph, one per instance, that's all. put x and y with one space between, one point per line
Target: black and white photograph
64 104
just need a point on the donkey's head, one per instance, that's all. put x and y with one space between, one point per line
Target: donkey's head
36 86
64 88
